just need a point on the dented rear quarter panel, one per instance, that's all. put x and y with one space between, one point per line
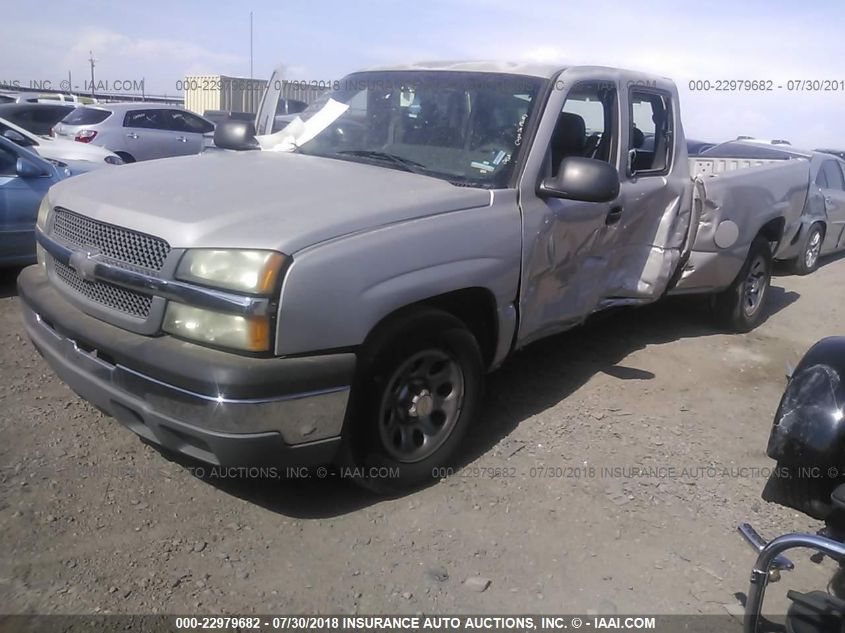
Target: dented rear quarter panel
733 207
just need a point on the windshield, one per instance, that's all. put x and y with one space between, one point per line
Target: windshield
459 126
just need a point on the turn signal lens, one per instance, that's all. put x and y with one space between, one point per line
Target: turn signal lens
250 334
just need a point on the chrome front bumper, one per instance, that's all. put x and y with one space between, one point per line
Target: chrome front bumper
203 425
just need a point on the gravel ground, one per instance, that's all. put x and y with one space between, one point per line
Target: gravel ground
545 515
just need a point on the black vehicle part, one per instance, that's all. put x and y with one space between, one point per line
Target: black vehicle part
809 426
814 612
237 135
808 436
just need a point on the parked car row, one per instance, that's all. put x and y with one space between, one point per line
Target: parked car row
38 118
56 149
17 96
30 162
137 131
89 136
836 152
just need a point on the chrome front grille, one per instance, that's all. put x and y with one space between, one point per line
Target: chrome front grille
114 297
120 245
116 245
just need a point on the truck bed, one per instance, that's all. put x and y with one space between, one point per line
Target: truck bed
707 166
732 199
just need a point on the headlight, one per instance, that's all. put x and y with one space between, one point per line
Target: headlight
216 328
43 212
112 159
249 271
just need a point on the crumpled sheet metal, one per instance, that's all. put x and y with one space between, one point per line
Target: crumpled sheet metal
643 273
810 418
732 208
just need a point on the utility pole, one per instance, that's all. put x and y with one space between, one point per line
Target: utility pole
251 82
92 61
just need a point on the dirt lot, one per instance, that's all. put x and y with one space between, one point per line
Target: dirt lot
546 508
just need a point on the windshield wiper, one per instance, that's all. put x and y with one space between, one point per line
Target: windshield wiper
404 163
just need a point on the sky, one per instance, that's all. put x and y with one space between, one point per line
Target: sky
161 42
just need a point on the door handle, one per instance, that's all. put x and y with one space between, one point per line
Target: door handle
181 139
131 135
613 215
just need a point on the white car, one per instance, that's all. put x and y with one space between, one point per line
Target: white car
137 131
57 149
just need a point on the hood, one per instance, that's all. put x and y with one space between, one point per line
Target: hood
78 167
62 150
269 200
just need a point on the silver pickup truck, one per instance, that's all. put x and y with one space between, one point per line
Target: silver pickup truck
336 292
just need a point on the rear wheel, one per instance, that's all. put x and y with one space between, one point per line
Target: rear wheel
808 259
419 389
741 307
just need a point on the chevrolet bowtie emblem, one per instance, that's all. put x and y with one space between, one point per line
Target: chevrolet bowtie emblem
84 262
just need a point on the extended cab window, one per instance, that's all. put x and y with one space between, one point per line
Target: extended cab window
586 124
650 136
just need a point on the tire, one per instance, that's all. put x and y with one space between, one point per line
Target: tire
808 259
742 306
127 158
419 388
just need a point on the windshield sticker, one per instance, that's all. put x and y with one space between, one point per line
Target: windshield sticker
518 140
485 166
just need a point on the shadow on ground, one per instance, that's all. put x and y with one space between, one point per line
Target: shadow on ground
784 269
532 380
8 282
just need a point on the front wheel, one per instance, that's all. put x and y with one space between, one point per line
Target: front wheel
741 307
420 387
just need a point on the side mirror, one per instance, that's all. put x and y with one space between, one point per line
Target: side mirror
584 179
237 135
15 137
27 169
